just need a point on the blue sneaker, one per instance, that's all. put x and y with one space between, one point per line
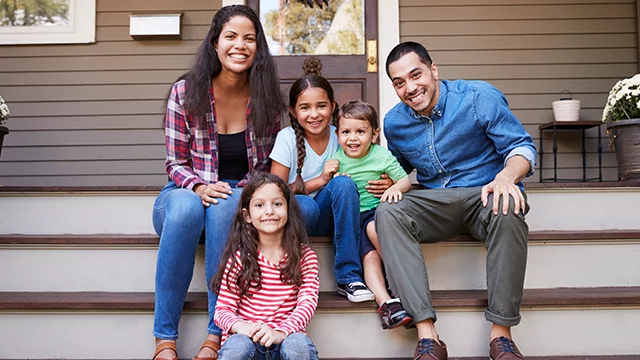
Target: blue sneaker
356 292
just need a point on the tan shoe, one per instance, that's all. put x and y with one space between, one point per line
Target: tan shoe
502 348
162 347
209 344
430 349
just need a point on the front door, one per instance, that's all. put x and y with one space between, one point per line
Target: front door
341 35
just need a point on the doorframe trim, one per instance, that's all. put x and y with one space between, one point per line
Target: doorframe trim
389 15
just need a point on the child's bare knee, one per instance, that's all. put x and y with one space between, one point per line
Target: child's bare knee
371 257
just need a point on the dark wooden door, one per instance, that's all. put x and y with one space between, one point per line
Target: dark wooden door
348 74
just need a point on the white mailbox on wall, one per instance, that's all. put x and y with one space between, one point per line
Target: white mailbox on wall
154 26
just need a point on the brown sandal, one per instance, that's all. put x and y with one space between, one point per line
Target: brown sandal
165 346
209 344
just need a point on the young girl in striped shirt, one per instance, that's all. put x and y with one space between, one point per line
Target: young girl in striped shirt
268 281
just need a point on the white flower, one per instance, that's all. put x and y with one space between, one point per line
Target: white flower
624 95
4 111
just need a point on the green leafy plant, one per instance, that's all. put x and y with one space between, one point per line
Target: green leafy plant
624 100
4 111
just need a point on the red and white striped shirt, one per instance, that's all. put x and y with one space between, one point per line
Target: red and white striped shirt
283 307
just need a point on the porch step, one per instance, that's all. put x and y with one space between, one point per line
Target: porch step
572 207
588 357
340 329
127 262
329 301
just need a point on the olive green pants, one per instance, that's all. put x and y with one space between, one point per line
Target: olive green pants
432 215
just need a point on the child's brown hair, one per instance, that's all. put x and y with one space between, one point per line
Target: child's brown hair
359 110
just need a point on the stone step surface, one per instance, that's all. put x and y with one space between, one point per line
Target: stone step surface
601 206
339 330
587 357
127 262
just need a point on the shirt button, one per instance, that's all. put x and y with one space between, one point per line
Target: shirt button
430 147
440 171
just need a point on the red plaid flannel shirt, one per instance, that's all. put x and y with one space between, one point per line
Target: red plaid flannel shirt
192 152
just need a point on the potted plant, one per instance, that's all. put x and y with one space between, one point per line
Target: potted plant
4 115
622 116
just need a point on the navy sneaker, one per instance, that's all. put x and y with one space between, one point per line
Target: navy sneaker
393 314
356 292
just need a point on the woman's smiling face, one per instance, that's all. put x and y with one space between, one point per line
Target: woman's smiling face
236 45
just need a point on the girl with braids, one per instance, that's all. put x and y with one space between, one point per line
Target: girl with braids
301 156
267 282
221 119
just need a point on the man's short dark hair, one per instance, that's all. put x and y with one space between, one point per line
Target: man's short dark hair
405 48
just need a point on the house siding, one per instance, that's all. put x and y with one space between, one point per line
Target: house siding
532 50
91 114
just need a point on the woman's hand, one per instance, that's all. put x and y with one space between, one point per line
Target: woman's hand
331 166
209 193
378 187
267 336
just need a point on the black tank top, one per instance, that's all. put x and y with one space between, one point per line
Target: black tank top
233 163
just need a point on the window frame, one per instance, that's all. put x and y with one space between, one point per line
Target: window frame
82 28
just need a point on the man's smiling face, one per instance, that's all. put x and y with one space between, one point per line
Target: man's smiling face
415 83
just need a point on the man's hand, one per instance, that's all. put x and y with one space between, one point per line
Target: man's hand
245 328
266 336
378 187
505 187
210 193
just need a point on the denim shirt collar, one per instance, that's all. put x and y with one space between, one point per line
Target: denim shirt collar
438 110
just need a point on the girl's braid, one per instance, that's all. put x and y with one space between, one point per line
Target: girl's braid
298 184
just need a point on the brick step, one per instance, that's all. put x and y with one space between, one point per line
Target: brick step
127 262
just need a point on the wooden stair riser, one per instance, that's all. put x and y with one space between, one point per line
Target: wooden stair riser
450 265
130 213
81 335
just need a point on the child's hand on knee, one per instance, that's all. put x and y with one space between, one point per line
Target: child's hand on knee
245 328
266 336
391 195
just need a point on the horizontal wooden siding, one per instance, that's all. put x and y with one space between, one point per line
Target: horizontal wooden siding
532 50
91 115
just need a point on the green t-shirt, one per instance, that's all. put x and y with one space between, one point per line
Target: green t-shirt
377 162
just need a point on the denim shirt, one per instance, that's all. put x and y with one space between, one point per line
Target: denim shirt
466 140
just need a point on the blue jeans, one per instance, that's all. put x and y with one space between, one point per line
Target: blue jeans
296 346
336 210
180 219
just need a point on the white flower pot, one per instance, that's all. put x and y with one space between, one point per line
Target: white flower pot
566 110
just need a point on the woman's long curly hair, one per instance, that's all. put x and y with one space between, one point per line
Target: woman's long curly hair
244 238
309 80
266 100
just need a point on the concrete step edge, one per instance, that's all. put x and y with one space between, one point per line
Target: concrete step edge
329 301
152 239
